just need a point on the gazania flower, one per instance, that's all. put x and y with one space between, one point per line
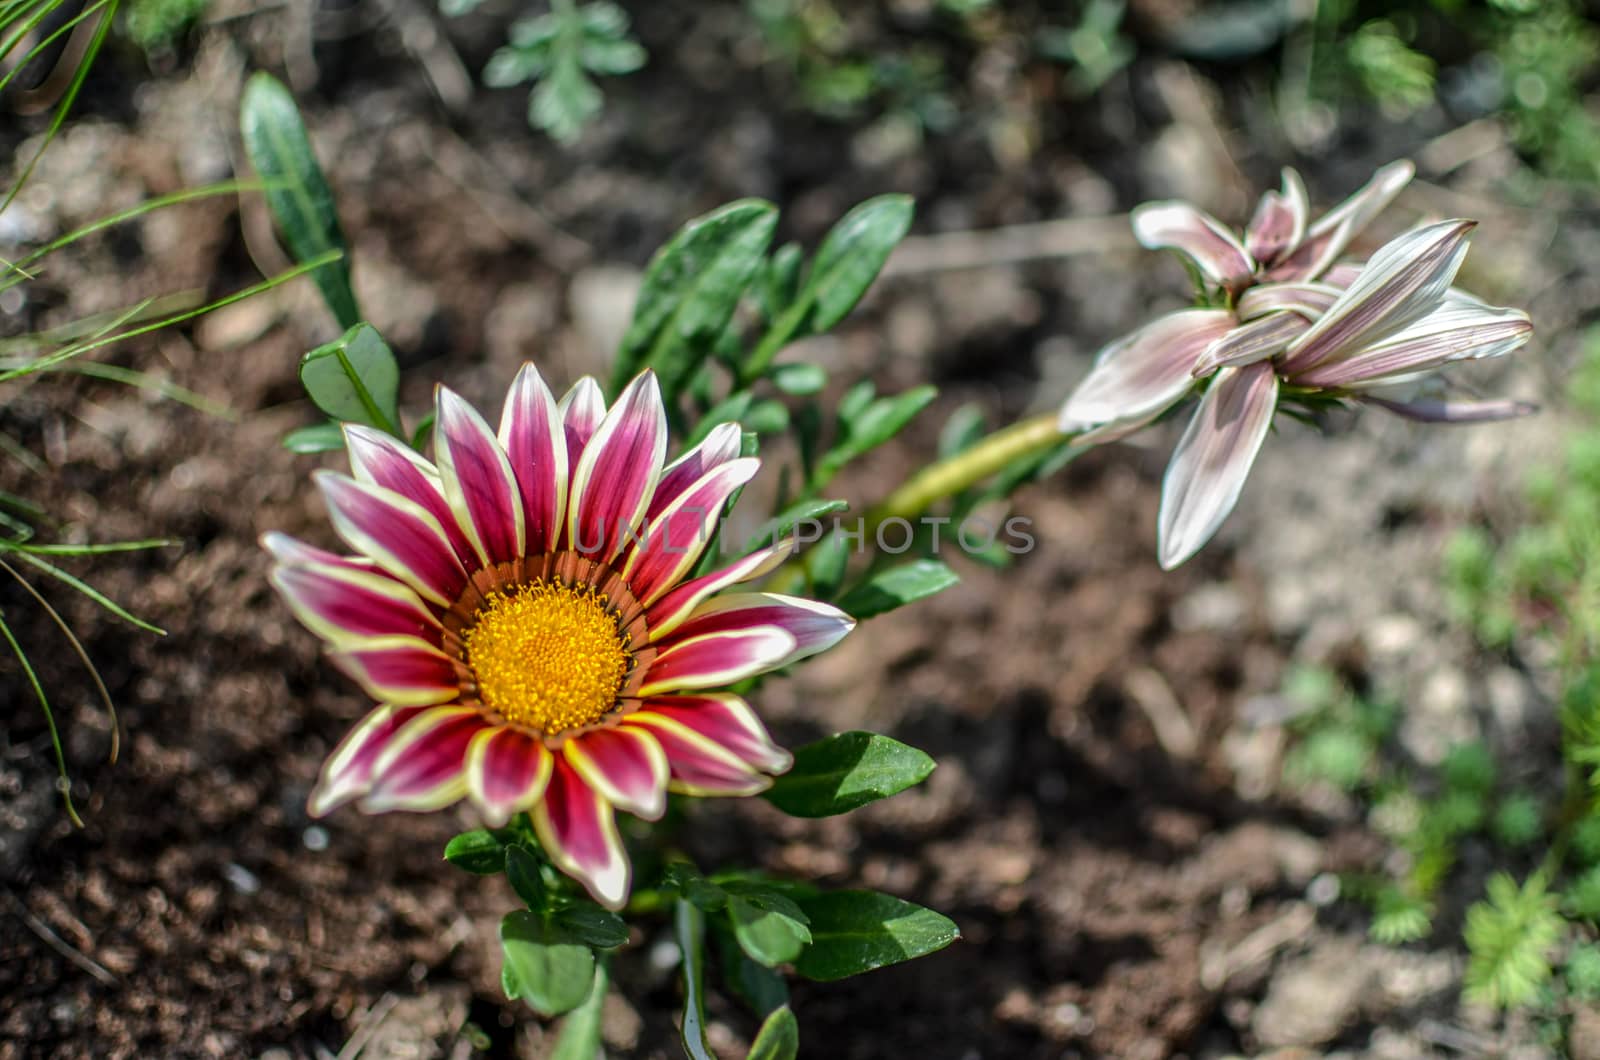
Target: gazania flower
525 615
1317 334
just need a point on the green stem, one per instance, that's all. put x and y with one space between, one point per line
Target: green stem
966 469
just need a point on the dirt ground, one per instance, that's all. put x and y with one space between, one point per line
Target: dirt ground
1118 894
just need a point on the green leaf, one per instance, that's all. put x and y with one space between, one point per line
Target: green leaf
842 772
522 869
695 888
553 971
782 524
355 379
318 438
767 417
897 587
690 925
597 927
564 100
480 852
851 256
800 379
780 280
758 986
869 428
778 1039
769 926
690 292
856 931
580 1031
275 141
730 409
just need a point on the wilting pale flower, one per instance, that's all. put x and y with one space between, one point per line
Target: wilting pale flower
524 613
1285 326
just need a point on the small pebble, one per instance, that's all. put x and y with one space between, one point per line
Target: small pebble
241 879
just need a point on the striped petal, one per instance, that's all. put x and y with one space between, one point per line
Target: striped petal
397 534
382 460
288 550
700 764
626 766
614 479
402 671
1405 279
1178 226
1442 410
1453 332
1213 459
727 721
423 766
1258 340
814 626
1280 220
1310 300
578 830
347 606
1327 238
532 435
670 612
716 660
675 539
582 409
720 446
1143 374
347 774
507 771
477 479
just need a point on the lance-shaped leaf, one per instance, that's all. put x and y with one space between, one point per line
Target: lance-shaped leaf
856 931
355 379
842 772
778 1039
690 292
1213 459
1142 374
898 586
1206 241
480 852
276 142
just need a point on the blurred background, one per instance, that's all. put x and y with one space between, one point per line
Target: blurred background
1165 809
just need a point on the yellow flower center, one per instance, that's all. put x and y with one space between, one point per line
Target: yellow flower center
548 655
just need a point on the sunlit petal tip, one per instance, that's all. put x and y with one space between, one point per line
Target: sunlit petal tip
716 660
728 722
815 626
477 479
676 537
701 764
578 829
507 771
347 774
396 533
1214 249
423 766
287 550
675 607
1146 371
1213 459
348 606
626 765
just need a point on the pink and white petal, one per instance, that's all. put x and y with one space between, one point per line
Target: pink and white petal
347 606
727 721
1213 459
700 765
1310 300
578 829
670 612
403 671
618 471
1406 279
676 538
477 479
382 460
397 534
625 765
1259 340
1146 372
1445 410
723 444
1455 331
287 550
535 441
1328 236
715 660
1206 241
507 771
1280 220
424 765
347 774
814 626
583 409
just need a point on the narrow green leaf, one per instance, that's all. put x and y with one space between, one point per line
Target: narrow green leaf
508 982
842 772
872 426
554 972
856 931
897 587
851 256
799 379
780 280
276 142
690 925
690 292
778 1039
580 1031
317 438
767 417
769 926
522 869
355 379
479 852
780 525
597 927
